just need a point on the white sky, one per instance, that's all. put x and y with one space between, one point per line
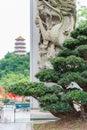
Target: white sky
15 21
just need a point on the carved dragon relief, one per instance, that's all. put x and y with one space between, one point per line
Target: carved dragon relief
55 19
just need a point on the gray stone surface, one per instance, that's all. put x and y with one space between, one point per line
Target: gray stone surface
15 126
34 39
21 122
39 115
29 126
55 21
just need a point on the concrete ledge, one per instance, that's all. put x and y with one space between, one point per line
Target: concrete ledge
38 115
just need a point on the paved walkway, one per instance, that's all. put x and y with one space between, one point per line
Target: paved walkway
21 119
23 124
15 126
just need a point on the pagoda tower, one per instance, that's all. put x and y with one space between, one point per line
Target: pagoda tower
20 46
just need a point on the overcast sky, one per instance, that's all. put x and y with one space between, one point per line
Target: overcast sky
14 21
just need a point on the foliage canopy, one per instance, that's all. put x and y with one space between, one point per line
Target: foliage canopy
14 68
69 75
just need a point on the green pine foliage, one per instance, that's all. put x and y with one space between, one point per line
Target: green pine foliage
70 65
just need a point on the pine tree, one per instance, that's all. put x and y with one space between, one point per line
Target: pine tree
69 78
69 73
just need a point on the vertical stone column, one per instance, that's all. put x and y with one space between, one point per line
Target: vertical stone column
34 40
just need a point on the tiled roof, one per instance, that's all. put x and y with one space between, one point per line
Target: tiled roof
20 38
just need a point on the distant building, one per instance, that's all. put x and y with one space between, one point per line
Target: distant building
20 46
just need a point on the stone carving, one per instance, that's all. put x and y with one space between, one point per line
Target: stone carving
55 19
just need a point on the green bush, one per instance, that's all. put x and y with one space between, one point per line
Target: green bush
69 68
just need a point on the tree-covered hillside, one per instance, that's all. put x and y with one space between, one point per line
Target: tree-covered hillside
13 63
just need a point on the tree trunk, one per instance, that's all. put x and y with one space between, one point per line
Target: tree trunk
82 113
67 115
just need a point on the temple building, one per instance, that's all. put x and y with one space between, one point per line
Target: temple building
20 46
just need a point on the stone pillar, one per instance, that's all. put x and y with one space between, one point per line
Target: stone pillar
34 39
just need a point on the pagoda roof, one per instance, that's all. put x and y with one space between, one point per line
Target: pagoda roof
20 38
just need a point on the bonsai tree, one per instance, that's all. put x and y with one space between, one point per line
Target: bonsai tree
68 78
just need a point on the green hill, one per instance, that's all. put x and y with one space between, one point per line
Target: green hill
13 63
14 68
